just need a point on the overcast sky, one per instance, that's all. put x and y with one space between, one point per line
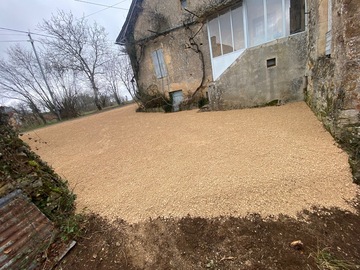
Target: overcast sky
27 14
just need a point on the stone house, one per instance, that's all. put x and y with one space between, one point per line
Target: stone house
238 53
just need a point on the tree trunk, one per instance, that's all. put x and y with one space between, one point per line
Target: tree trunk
117 99
96 96
98 102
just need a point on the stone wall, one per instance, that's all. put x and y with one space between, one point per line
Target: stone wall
163 25
184 65
159 15
250 82
20 168
333 90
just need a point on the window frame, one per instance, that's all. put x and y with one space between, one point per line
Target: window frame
286 23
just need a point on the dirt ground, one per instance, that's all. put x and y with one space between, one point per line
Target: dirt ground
330 242
133 166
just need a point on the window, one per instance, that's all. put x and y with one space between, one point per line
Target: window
226 33
297 15
287 17
159 64
215 37
271 62
254 23
274 19
238 28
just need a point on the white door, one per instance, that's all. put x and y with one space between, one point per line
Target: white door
177 98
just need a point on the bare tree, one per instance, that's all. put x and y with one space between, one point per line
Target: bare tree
66 85
113 76
21 79
126 75
80 47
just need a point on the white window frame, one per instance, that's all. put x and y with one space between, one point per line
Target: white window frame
246 26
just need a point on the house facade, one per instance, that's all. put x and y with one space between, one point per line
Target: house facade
253 49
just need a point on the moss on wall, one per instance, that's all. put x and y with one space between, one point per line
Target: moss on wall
20 168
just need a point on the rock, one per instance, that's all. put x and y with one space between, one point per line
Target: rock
348 117
22 154
95 256
210 264
22 149
117 244
248 263
38 183
205 108
297 245
54 195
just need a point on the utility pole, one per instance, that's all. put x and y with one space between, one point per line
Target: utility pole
43 74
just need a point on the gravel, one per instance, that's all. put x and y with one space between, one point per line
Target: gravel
133 166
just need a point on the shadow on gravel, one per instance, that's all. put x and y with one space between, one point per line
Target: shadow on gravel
330 237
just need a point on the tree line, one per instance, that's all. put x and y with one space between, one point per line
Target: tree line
73 69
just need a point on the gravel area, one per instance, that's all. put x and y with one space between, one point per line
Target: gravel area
130 165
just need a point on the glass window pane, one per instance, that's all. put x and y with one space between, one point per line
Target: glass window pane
238 28
287 17
274 19
297 16
226 35
256 22
215 37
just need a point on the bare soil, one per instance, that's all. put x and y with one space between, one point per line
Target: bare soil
330 241
135 166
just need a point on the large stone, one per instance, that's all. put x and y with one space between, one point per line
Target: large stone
348 117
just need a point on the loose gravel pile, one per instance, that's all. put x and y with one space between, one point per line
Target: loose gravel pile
133 166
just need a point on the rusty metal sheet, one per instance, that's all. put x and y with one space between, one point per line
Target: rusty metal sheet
25 232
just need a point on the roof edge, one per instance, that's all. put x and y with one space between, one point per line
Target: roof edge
121 39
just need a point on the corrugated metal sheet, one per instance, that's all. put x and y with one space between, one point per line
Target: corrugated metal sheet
328 43
25 232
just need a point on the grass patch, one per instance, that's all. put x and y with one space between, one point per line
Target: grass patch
327 261
70 228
